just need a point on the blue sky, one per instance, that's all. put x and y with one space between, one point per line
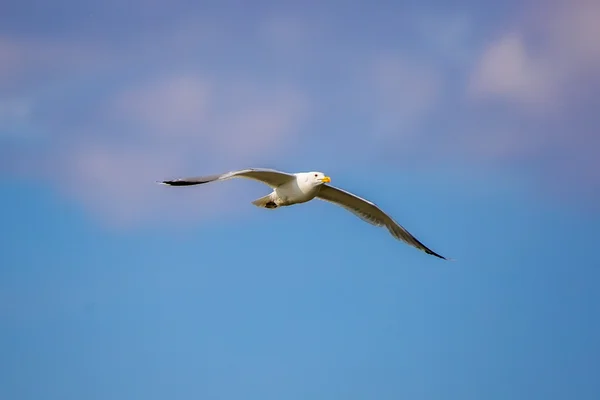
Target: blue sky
473 124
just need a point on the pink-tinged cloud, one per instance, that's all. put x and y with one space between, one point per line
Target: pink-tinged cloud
230 120
169 107
165 125
26 63
507 70
200 100
177 126
537 64
573 28
548 69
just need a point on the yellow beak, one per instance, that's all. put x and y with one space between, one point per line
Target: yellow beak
326 179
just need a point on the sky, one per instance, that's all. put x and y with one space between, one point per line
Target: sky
473 124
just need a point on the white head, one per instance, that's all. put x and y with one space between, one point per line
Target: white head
317 178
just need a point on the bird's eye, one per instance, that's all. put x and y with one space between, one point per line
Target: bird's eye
316 175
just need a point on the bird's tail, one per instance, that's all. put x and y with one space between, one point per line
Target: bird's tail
265 202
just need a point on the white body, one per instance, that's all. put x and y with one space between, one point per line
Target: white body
299 190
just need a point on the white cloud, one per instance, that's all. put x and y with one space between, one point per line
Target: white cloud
507 70
173 106
535 65
176 126
27 62
574 30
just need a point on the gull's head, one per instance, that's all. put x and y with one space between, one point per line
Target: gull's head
318 178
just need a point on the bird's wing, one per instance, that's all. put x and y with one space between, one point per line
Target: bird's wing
372 214
269 177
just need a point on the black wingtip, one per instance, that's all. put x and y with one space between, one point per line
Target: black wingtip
433 253
177 183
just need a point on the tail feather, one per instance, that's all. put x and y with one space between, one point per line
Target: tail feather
265 202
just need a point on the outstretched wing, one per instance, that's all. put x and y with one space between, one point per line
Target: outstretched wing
372 214
269 177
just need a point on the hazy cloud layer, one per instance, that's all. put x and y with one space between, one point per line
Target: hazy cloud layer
179 125
546 70
101 113
536 64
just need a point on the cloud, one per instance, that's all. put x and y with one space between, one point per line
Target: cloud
119 110
173 126
523 98
173 106
26 64
573 30
109 134
507 70
544 75
536 65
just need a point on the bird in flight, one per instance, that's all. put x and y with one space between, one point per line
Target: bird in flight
297 188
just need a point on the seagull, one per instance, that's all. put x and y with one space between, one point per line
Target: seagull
301 187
